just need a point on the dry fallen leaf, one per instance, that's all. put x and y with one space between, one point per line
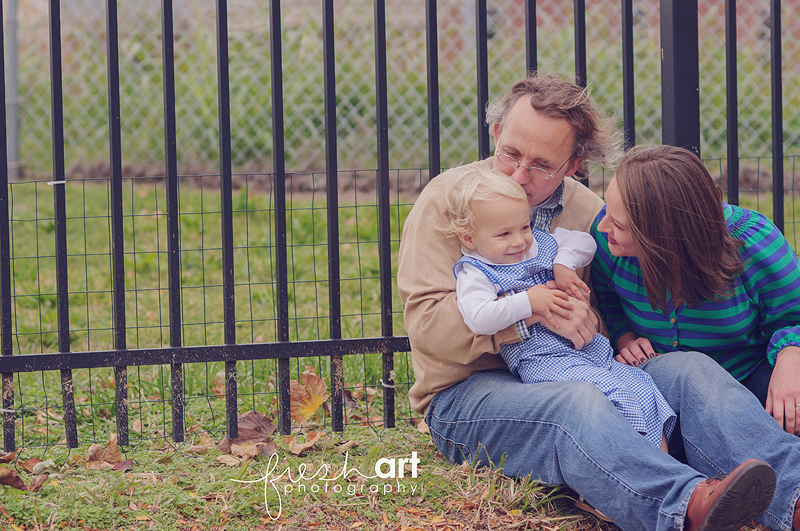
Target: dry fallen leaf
306 397
254 428
228 460
421 425
204 444
30 463
342 448
37 482
218 384
123 466
7 458
99 458
10 477
311 438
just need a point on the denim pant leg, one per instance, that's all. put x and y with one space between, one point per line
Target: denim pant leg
723 424
563 433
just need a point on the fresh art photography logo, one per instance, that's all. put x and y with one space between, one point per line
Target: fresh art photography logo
384 479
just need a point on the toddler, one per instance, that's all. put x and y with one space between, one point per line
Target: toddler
489 214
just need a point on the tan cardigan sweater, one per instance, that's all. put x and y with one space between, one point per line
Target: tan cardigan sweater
443 350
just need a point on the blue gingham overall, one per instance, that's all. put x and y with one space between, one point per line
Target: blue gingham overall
548 357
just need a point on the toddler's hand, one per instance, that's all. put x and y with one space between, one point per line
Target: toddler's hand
546 302
568 281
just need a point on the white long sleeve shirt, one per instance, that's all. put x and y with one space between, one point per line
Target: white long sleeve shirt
476 295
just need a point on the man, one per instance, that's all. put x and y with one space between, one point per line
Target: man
546 129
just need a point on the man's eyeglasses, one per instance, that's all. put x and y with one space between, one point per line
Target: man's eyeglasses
540 173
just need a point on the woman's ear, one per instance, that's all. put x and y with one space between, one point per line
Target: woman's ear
466 240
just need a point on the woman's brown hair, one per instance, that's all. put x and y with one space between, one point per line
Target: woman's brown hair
677 223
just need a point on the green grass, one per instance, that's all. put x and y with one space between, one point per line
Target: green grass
169 488
147 305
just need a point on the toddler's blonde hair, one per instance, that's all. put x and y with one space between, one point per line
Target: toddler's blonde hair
480 184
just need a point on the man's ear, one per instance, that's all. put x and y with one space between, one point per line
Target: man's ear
466 240
573 167
496 134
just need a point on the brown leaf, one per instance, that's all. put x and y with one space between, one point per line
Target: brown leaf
94 452
342 448
244 450
11 478
30 463
267 448
204 444
112 454
306 396
124 466
99 458
311 438
37 482
218 384
422 427
253 426
98 465
7 458
228 460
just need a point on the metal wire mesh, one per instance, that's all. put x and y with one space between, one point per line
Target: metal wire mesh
140 59
38 396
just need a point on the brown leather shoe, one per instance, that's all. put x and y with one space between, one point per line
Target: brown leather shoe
725 503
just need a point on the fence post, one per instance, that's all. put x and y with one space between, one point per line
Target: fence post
680 76
11 98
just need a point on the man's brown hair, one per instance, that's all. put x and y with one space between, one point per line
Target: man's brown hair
597 138
677 223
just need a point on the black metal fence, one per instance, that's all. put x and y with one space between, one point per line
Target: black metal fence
681 126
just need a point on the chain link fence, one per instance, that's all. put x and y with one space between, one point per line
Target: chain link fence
85 91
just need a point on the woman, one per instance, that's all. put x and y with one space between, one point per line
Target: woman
678 269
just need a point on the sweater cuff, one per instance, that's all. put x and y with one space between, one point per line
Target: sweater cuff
509 335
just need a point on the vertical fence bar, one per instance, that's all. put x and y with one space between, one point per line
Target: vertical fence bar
531 53
680 74
777 112
331 172
628 96
279 186
11 75
384 221
731 91
432 55
226 215
173 215
7 387
579 21
482 64
117 224
60 215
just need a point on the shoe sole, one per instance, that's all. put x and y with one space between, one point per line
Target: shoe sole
747 495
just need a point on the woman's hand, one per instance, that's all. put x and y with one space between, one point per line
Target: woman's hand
783 397
634 350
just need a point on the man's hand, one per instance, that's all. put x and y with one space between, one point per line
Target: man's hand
783 397
580 329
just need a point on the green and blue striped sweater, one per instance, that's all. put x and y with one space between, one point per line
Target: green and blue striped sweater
760 318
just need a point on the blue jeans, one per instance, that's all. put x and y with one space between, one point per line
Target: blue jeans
568 433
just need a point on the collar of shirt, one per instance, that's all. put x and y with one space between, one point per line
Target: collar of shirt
542 215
